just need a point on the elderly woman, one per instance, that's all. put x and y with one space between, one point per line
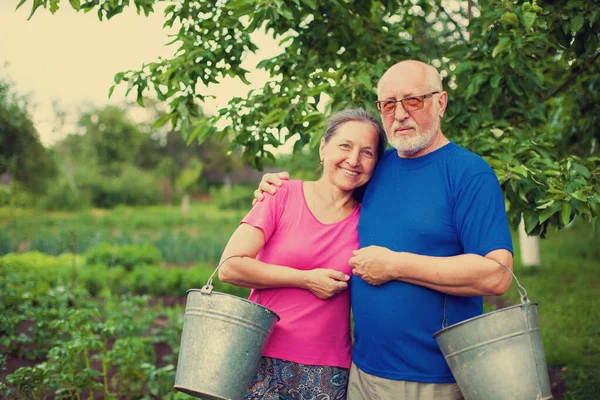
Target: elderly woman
293 250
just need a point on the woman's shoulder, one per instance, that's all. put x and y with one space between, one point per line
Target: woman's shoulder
292 185
288 187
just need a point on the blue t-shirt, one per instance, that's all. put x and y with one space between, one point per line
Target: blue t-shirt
446 203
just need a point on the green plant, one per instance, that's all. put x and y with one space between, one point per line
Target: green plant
127 256
232 198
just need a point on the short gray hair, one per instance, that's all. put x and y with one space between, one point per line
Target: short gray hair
355 115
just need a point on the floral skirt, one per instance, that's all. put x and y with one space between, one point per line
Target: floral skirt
277 379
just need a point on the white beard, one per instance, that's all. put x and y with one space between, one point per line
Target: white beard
409 145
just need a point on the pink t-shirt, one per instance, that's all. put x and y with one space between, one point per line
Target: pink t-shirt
311 331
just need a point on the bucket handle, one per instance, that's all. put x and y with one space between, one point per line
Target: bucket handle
208 288
520 289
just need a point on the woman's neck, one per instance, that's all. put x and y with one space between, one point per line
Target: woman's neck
331 196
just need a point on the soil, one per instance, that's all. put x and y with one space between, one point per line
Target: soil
557 375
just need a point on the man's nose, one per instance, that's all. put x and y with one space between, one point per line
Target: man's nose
400 113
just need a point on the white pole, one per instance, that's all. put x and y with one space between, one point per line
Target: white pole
530 247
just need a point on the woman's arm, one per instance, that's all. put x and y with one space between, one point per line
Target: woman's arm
248 272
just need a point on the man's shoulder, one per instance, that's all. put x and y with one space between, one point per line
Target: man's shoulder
463 160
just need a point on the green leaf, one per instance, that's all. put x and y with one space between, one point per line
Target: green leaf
286 39
547 213
565 215
311 3
529 19
503 44
75 4
577 23
162 121
579 196
581 170
239 3
365 80
20 4
53 6
530 221
495 80
546 205
510 18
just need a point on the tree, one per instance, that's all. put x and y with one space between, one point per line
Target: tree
509 66
186 179
113 139
22 155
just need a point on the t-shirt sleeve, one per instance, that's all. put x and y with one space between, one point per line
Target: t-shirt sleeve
480 216
266 214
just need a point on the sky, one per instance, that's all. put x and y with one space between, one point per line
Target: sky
71 58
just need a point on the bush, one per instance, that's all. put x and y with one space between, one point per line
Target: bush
233 198
127 256
62 196
155 280
131 186
35 273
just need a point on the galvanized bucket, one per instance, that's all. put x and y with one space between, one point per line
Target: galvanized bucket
498 355
221 344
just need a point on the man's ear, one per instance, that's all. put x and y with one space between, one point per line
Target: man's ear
442 102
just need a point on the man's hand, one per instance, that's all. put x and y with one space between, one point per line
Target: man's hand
372 264
326 283
268 183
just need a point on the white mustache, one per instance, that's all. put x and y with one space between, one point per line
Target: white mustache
397 128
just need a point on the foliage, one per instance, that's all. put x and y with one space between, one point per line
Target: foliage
198 238
128 186
62 195
35 286
189 175
112 138
509 67
232 197
85 341
22 156
127 256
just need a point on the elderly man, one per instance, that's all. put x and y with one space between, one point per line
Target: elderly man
434 238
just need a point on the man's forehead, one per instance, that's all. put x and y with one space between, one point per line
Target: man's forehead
401 87
404 80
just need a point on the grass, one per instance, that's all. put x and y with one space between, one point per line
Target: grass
567 290
198 237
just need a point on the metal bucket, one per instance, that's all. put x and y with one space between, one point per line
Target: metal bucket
221 344
498 355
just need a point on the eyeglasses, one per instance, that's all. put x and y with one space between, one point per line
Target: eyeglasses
413 103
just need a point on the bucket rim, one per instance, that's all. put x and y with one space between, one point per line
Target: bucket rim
237 298
435 335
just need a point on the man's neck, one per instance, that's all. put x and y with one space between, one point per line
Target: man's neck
437 143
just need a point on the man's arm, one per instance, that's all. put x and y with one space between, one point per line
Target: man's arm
462 275
269 183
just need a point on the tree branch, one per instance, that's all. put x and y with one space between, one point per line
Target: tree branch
576 73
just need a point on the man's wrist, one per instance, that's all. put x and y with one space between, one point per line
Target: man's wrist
396 265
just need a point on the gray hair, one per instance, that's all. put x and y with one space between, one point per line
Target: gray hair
355 115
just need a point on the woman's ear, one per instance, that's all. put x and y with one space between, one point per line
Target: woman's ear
322 149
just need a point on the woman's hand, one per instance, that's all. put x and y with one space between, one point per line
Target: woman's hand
268 183
326 283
